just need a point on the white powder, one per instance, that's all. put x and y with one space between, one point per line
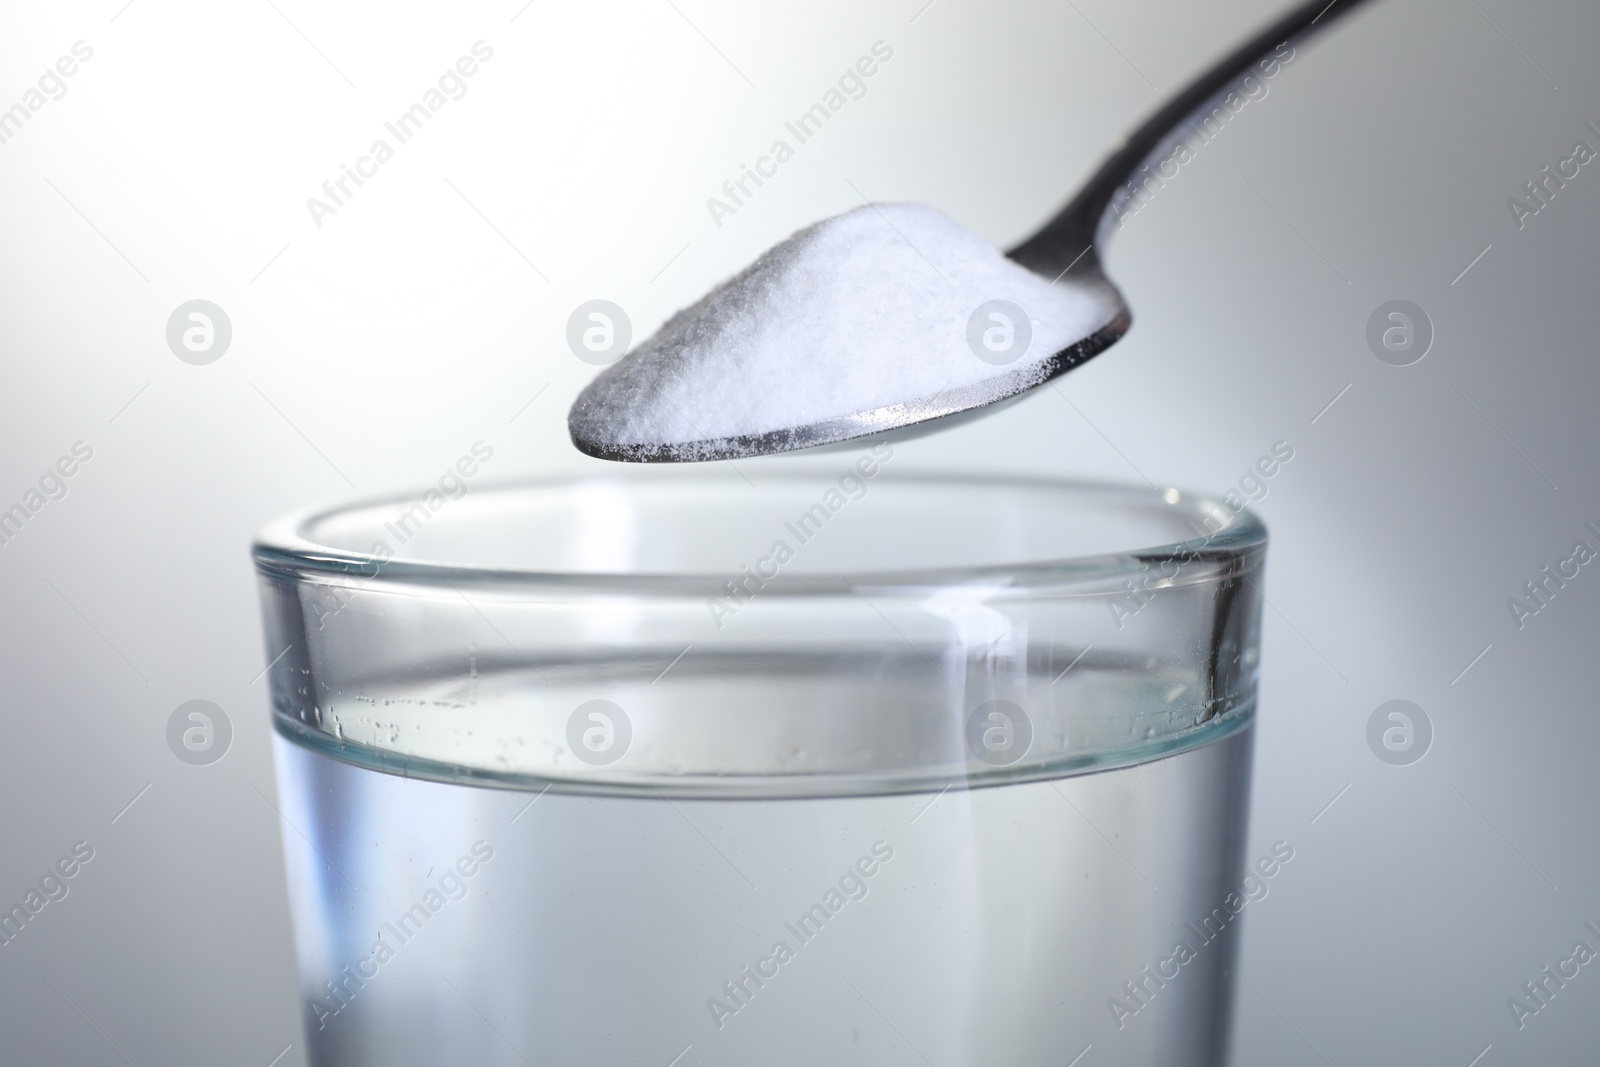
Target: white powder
858 312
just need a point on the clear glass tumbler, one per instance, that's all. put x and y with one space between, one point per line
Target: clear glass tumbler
838 765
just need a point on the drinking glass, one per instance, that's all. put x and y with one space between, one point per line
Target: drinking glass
808 764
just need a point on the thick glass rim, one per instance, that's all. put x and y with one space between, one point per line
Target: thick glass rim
828 682
286 548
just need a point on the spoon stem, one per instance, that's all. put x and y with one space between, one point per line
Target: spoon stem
1066 241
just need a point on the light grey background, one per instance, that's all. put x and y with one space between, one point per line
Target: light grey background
430 311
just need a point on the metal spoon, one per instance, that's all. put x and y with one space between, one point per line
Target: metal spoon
1065 248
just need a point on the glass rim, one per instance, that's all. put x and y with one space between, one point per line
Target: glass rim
285 546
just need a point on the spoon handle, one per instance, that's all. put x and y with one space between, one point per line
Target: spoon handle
1065 241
